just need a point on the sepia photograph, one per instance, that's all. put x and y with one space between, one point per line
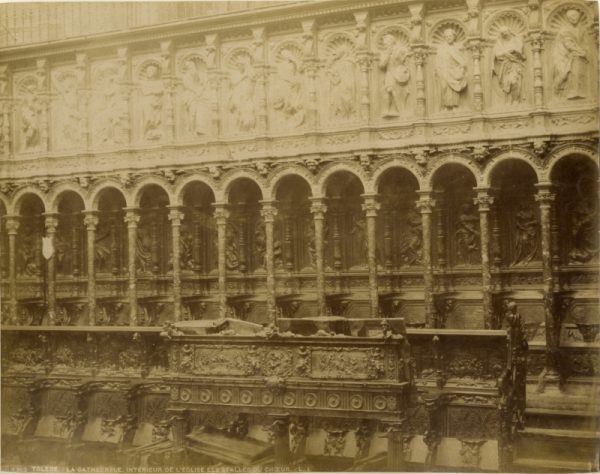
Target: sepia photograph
299 236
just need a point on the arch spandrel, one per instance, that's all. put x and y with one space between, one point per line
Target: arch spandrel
137 191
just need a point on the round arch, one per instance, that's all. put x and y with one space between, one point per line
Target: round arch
230 179
511 155
136 193
183 183
564 152
96 192
395 163
452 160
22 194
298 171
354 169
58 192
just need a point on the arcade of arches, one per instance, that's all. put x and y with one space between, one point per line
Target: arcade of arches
343 218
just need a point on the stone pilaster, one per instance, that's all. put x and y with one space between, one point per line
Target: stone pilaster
268 213
214 80
318 210
536 39
420 55
364 62
83 94
475 47
51 223
91 222
371 206
221 215
279 431
311 64
259 40
395 450
484 201
176 216
12 228
545 197
5 109
43 93
132 218
425 204
168 77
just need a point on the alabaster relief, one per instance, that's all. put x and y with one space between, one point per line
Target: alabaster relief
450 66
67 117
340 70
288 95
30 108
108 108
194 96
151 96
508 59
570 57
241 105
394 63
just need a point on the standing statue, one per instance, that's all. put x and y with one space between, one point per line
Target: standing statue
288 91
152 89
411 242
143 251
569 58
232 260
467 234
195 104
342 88
69 117
260 245
451 69
526 235
242 102
359 232
108 107
509 63
584 233
393 60
30 119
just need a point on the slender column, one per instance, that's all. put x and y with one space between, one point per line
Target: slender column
425 205
537 44
395 450
484 201
12 227
75 244
318 210
311 64
221 216
279 431
51 223
91 221
268 213
176 216
132 218
334 214
387 239
475 47
371 206
545 197
420 55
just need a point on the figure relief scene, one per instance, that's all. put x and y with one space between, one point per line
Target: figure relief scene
325 236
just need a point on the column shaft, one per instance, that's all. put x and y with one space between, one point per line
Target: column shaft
221 216
51 223
425 205
318 210
371 206
483 201
176 216
12 227
132 218
91 221
268 213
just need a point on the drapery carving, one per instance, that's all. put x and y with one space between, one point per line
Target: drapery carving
194 97
152 92
393 61
242 103
451 69
509 64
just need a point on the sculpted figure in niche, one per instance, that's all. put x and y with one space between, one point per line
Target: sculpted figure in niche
152 90
411 243
288 93
108 108
526 235
30 119
68 116
102 247
451 69
232 261
509 63
260 244
583 232
143 251
195 104
393 61
28 254
467 235
342 90
186 245
360 238
242 100
570 59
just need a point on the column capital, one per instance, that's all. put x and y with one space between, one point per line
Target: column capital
318 207
132 217
175 215
12 223
545 195
50 221
90 219
484 199
268 210
370 204
221 212
425 203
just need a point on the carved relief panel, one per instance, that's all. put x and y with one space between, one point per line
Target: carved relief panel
240 101
29 112
395 75
287 87
506 74
339 79
108 109
449 84
193 97
110 246
68 115
150 96
572 56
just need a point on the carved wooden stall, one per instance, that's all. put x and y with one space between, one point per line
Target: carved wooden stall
238 394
